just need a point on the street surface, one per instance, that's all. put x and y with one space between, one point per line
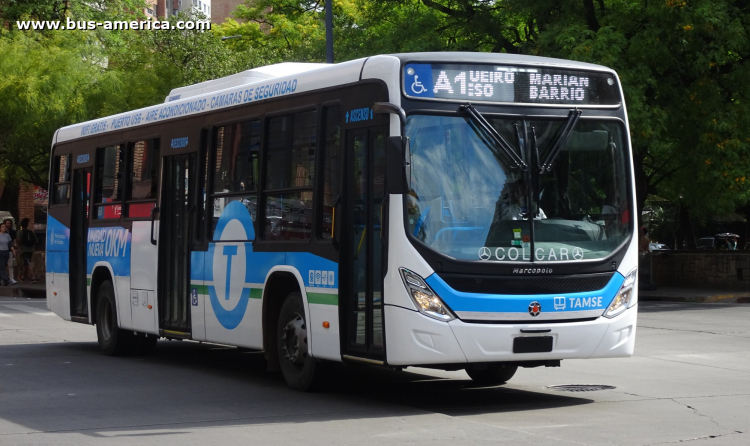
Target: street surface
688 382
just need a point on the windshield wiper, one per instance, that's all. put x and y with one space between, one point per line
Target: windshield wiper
560 143
496 137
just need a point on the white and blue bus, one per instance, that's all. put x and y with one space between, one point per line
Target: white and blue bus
445 210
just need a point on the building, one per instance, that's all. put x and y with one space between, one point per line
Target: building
223 9
172 7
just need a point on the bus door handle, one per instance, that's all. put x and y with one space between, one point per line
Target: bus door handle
154 211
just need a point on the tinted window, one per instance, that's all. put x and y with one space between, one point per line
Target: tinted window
331 168
109 182
61 180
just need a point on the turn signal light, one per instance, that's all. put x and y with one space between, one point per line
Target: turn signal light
149 307
326 324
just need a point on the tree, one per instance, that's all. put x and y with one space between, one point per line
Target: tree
46 82
52 79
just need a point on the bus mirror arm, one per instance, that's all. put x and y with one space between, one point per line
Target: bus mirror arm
154 211
398 153
397 165
388 107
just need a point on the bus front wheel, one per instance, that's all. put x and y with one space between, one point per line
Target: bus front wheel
493 374
296 364
112 340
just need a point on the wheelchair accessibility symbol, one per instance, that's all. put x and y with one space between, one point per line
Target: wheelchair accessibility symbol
417 86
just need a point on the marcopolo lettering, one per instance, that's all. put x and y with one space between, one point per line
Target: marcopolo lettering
532 270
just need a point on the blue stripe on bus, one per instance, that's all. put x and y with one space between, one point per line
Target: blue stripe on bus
511 303
58 262
260 263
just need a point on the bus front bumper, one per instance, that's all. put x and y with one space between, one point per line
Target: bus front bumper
414 339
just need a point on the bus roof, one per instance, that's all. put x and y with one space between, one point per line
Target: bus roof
278 80
243 78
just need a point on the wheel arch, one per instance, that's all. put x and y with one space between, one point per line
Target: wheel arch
280 282
102 271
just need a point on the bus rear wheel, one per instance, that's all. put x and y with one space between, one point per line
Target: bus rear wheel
112 340
297 366
494 374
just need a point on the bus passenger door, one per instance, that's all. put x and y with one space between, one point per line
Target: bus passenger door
79 225
363 333
177 195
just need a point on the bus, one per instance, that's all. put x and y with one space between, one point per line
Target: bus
451 211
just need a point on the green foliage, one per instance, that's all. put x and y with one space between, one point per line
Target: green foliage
156 61
46 82
51 79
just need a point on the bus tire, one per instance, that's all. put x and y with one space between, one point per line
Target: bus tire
297 366
112 340
493 375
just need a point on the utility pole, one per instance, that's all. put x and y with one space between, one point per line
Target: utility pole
329 32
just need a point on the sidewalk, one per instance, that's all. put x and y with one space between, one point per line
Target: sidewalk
694 295
24 289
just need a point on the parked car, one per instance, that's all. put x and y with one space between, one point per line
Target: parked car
658 247
725 241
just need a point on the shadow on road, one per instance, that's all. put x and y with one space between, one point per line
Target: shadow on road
659 307
71 387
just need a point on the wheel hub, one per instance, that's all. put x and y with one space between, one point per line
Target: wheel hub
294 341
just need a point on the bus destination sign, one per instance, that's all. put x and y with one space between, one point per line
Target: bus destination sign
510 83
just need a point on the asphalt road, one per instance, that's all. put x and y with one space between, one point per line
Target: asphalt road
688 382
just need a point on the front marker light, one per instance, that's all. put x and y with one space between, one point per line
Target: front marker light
623 297
427 301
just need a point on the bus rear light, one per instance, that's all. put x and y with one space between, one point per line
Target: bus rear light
624 296
426 300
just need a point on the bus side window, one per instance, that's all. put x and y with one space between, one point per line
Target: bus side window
109 183
236 168
144 178
61 180
331 169
290 166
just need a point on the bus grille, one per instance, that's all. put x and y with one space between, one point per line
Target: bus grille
527 285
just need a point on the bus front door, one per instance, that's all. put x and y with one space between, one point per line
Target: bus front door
79 225
177 192
361 302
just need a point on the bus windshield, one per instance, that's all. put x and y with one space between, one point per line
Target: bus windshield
472 201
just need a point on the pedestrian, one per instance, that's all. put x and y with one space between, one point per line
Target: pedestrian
26 240
8 223
643 243
6 249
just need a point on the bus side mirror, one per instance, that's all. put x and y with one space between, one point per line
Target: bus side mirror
397 165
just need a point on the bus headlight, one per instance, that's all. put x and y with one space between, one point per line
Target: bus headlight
427 301
622 299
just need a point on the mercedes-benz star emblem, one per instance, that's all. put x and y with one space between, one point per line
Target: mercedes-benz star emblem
485 253
535 308
578 253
